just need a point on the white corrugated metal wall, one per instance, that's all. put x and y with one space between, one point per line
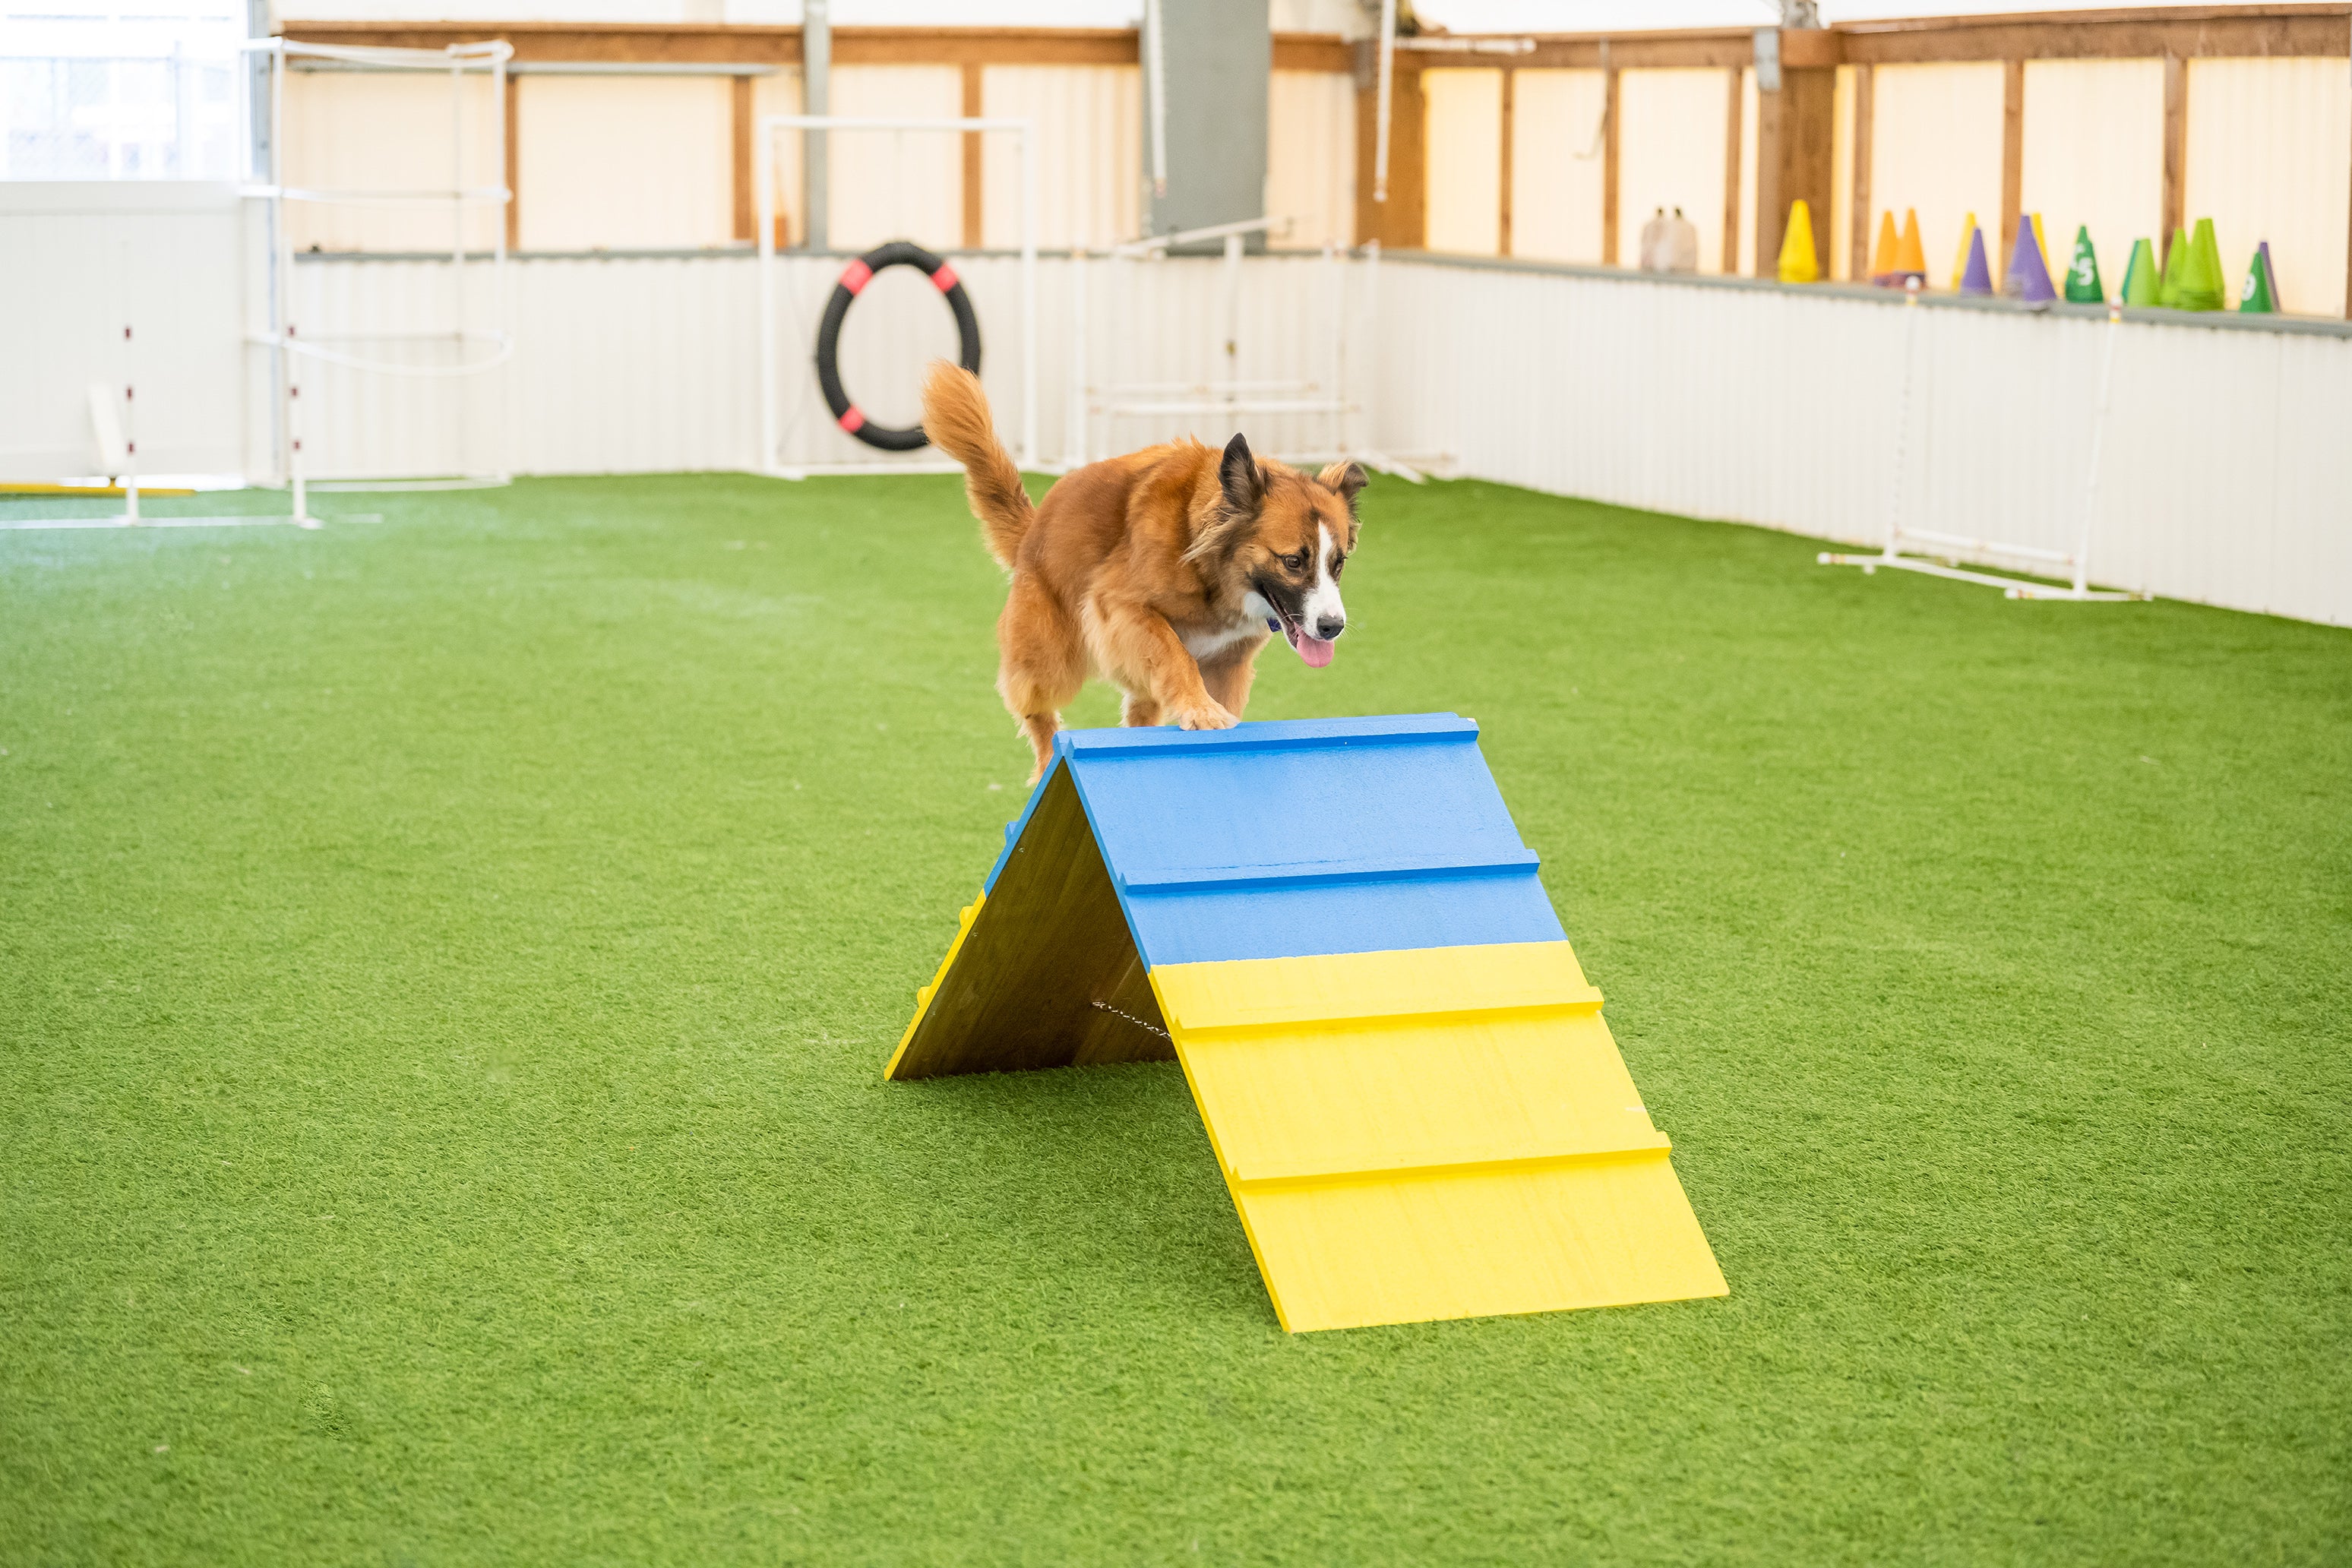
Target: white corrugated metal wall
1935 145
1558 163
1779 408
2094 158
1670 139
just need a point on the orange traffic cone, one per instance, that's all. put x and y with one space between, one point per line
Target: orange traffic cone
1881 257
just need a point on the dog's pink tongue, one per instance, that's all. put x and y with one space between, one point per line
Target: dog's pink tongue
1314 650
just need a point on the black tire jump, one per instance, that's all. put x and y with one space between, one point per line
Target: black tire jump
854 278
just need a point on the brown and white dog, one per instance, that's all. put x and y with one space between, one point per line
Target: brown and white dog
1166 570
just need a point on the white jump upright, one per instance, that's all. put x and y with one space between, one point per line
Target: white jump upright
766 460
2075 562
478 350
1224 395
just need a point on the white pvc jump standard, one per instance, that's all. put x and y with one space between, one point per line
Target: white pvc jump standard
764 183
1935 563
282 338
1227 396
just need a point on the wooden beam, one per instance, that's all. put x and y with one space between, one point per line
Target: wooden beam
1733 170
514 163
972 215
1326 52
1608 169
2191 32
1859 258
2176 148
2012 158
1503 224
740 141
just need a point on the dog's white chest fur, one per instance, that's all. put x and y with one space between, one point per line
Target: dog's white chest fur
1205 645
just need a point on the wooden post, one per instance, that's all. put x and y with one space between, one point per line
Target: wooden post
2012 159
745 219
1795 153
2176 149
1608 169
1859 259
1401 223
514 163
1732 172
1503 227
973 218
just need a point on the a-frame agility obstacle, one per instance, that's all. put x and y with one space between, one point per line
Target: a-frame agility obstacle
1334 927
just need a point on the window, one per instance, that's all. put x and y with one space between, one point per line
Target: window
89 92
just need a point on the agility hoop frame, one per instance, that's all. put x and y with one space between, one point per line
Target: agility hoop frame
763 178
288 346
1945 561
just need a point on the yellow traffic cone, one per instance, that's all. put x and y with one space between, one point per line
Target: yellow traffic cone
1797 262
1960 256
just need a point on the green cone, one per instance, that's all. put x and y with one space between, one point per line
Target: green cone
2259 295
2142 288
2083 284
2201 287
2176 268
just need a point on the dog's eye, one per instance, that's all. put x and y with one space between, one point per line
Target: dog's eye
1295 563
1339 566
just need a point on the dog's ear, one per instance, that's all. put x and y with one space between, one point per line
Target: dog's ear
1345 476
1238 476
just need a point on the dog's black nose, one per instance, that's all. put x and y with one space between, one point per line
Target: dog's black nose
1329 627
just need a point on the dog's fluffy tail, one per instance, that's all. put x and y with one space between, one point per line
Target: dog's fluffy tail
956 419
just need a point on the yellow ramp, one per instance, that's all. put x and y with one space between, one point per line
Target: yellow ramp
1437 1133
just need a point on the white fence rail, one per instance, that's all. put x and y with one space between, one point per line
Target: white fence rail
2228 476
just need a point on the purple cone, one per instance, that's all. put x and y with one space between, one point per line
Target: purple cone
2028 277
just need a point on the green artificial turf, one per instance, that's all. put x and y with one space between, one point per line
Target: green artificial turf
447 965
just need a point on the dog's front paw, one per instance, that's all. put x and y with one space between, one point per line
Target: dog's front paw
1210 715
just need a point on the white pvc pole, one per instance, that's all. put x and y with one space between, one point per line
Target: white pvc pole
502 307
1380 129
764 205
1074 435
1158 88
1232 322
1028 295
2098 431
1902 419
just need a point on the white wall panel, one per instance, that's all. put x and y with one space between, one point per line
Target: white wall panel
1088 125
80 262
1462 139
2270 157
1310 165
1670 143
895 185
622 163
390 131
1935 145
1559 157
2093 156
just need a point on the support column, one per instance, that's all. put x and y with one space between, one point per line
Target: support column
740 124
1796 123
2012 161
1400 223
1733 173
973 213
1859 268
